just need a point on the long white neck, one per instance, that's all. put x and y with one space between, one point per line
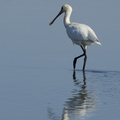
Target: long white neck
67 15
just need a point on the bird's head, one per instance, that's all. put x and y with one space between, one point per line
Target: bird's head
64 8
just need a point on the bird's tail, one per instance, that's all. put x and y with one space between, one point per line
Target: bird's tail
98 42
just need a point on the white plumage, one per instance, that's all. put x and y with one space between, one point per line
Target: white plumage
80 34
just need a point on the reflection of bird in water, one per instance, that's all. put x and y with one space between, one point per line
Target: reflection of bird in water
76 81
80 105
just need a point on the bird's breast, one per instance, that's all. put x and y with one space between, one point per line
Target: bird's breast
73 33
76 33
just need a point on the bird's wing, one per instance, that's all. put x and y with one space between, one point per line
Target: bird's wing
91 34
76 32
81 32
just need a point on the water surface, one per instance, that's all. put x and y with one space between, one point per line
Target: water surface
37 81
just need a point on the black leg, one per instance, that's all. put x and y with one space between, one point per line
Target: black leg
75 60
85 59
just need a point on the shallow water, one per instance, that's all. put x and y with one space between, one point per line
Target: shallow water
94 95
29 93
37 81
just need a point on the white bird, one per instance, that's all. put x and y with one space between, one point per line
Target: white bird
80 34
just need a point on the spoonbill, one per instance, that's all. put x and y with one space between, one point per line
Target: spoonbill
80 34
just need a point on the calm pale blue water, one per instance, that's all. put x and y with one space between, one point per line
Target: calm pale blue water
29 93
37 81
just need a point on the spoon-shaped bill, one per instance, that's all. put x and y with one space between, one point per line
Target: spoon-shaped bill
56 17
